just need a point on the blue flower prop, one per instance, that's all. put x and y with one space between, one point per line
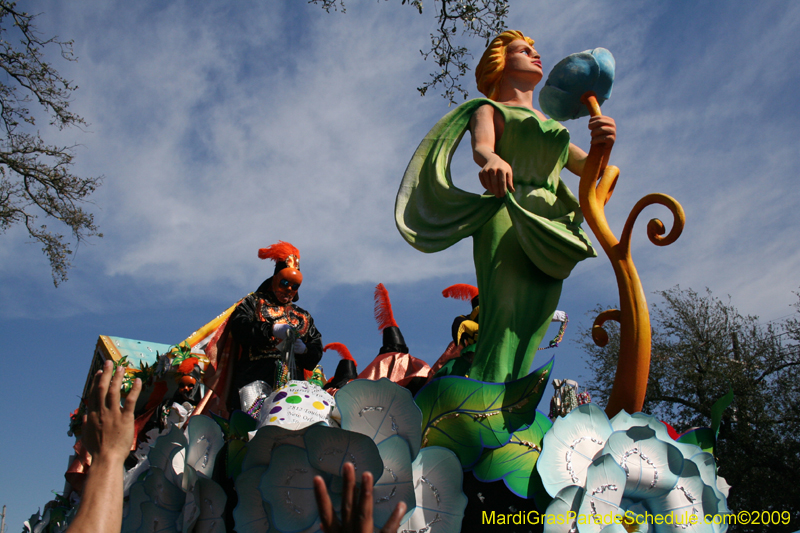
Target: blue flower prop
606 472
592 70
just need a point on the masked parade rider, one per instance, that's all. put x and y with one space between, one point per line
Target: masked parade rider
263 320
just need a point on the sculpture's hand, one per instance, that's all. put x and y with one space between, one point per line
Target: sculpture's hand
604 130
497 176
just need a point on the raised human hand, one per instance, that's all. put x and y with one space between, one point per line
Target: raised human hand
356 514
603 130
496 176
108 427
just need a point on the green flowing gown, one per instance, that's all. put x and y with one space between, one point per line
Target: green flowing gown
524 244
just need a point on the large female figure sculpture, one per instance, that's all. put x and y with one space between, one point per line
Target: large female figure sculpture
526 228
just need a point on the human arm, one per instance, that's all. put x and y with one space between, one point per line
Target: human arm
357 520
603 130
107 435
496 174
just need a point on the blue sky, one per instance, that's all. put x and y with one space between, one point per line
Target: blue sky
222 127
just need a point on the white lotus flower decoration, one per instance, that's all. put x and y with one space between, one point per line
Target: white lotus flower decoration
603 474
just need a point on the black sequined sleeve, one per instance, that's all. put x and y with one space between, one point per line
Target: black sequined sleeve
247 329
313 342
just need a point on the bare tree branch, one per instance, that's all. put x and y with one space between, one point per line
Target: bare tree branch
483 19
35 177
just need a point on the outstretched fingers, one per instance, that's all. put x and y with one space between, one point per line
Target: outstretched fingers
365 504
113 395
93 399
358 520
393 524
326 514
133 395
348 493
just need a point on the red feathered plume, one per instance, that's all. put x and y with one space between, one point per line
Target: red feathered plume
383 308
187 365
341 349
460 291
279 252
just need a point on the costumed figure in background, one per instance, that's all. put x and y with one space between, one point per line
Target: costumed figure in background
457 357
263 319
178 408
526 226
346 369
393 360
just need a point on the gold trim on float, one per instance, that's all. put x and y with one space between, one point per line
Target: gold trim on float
106 346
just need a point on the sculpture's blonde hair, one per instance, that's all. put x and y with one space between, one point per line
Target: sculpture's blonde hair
490 67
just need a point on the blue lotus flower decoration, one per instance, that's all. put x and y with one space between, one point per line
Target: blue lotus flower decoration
592 70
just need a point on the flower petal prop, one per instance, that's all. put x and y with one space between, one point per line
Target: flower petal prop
287 486
690 497
440 499
266 439
639 464
623 421
565 505
251 512
177 494
571 446
515 462
576 74
635 517
165 494
330 448
605 483
162 452
652 466
208 495
396 483
206 440
467 415
157 519
380 409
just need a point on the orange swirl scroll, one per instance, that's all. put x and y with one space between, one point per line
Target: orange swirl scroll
596 185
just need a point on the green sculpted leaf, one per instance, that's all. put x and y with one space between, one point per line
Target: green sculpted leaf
718 408
515 462
702 437
467 415
235 432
